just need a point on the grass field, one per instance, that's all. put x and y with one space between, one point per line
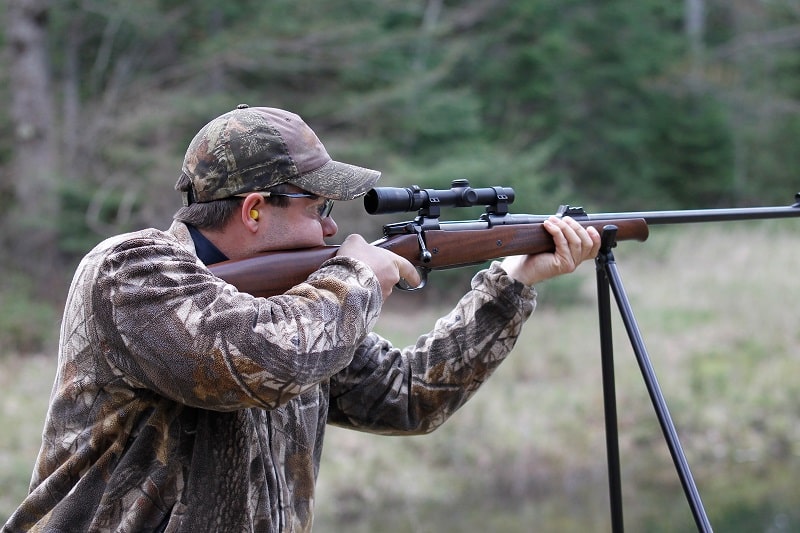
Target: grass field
718 309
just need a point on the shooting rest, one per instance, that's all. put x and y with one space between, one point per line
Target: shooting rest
608 277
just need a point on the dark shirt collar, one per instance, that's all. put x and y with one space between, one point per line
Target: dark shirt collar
206 251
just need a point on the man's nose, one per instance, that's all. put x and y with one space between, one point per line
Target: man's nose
329 227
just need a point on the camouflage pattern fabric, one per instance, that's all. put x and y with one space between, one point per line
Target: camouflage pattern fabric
181 404
254 148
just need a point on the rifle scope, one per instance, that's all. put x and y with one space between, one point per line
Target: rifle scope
382 200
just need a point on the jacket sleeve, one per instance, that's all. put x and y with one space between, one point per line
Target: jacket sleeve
167 324
415 389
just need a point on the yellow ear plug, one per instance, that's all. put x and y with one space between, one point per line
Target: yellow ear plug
254 214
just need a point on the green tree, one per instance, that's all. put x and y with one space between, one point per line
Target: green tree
647 104
599 81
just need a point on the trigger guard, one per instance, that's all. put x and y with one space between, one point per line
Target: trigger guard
423 276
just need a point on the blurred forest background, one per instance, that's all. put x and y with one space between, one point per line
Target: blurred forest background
614 105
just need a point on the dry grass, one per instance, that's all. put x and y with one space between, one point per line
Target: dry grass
25 384
717 306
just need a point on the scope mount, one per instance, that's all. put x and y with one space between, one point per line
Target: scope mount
428 204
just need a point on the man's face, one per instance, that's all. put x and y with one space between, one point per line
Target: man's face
301 224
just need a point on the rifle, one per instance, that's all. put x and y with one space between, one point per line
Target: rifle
430 244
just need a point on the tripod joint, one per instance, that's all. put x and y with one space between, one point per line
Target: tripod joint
608 241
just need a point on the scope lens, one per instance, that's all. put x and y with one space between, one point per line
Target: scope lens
382 200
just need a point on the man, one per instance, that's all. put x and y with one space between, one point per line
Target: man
181 404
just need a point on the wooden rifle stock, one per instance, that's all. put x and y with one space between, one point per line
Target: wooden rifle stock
274 273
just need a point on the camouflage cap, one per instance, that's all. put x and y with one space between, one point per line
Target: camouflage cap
251 149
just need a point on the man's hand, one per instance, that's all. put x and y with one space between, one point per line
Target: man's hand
387 266
574 244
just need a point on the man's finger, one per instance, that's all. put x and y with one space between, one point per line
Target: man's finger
408 272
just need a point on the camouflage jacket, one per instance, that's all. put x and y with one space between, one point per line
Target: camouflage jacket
181 404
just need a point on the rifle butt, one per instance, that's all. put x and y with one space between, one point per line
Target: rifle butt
273 273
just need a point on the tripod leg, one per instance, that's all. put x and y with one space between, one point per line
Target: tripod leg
609 388
664 418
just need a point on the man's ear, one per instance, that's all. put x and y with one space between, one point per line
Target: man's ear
250 211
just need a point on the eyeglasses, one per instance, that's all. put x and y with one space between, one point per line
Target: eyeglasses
324 209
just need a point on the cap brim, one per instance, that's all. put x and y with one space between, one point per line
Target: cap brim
338 181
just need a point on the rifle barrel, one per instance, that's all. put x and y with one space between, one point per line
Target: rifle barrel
651 217
704 215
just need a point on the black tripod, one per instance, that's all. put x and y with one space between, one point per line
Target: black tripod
608 278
